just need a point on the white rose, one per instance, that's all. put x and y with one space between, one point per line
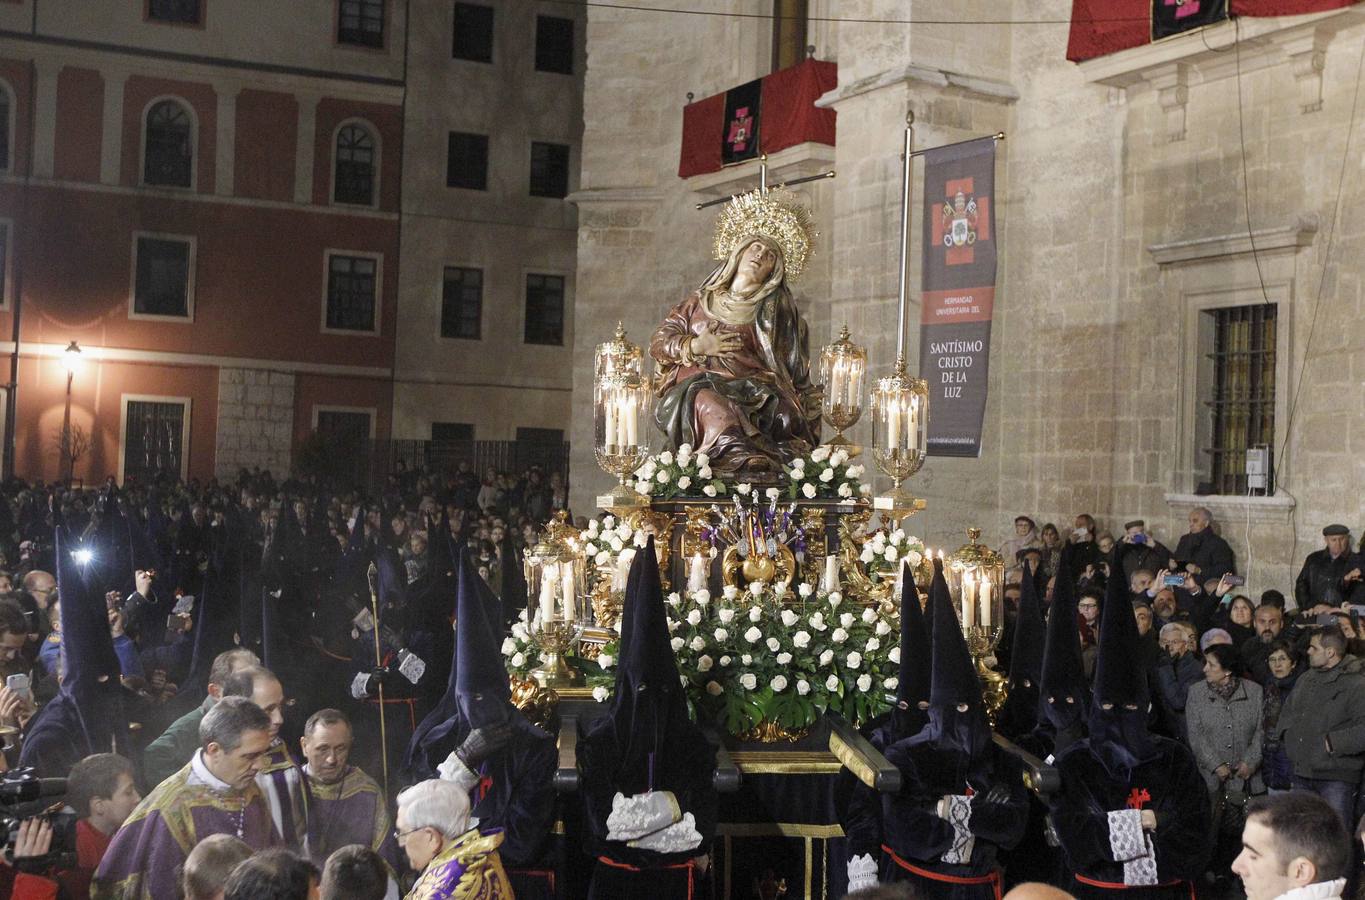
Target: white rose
703 460
827 476
755 588
847 620
727 615
698 644
845 490
746 659
808 490
783 658
802 686
772 493
605 660
721 634
684 482
601 559
704 472
804 590
694 617
702 597
839 636
779 682
753 635
832 683
742 488
817 619
872 644
883 628
789 618
643 486
838 458
869 615
729 592
519 632
796 474
827 657
593 525
854 471
704 663
521 614
854 660
914 557
641 539
599 693
665 458
898 536
685 449
713 688
677 643
835 598
894 654
509 646
864 683
616 544
624 531
891 683
773 644
801 640
867 555
799 463
890 554
662 478
748 681
710 491
725 661
819 454
519 660
879 541
674 599
755 614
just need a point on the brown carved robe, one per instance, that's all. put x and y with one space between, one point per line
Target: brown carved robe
754 411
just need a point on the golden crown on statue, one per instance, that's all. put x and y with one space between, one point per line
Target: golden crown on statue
772 214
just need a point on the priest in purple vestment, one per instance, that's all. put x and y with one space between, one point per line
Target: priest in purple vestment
345 806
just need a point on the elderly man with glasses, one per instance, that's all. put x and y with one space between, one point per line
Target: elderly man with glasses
433 830
1175 673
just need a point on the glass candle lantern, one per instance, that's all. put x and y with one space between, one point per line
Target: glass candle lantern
842 372
620 404
900 434
976 576
557 602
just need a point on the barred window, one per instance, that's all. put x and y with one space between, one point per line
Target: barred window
361 23
1241 399
168 157
462 303
162 277
354 177
183 12
544 310
554 45
549 170
351 297
473 33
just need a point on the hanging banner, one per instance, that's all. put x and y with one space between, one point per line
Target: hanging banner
958 292
739 140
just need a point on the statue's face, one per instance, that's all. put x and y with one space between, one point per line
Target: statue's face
757 262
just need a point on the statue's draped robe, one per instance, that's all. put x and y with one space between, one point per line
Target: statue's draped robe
757 406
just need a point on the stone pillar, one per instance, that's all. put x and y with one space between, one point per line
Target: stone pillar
45 116
255 420
304 152
111 134
225 142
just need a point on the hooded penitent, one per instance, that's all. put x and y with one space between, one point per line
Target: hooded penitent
1118 715
957 715
218 612
87 716
1064 694
916 666
1019 715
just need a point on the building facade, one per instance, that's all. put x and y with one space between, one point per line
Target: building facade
1177 227
215 205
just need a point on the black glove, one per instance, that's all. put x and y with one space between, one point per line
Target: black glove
998 795
483 743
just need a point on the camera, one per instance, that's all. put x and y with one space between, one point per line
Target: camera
1173 581
23 795
1139 538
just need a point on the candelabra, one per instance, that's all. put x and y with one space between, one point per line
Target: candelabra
843 366
556 595
900 436
620 397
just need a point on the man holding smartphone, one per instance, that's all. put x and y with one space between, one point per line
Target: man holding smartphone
1142 551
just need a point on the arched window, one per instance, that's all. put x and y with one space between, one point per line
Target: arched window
168 157
355 158
5 108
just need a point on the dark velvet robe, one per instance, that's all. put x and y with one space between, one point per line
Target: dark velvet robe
907 826
758 404
1169 784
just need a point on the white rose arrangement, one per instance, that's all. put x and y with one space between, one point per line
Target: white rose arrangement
682 474
883 553
826 475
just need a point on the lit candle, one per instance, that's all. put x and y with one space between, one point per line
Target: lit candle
631 421
566 580
968 599
696 578
893 426
831 573
549 576
986 618
609 433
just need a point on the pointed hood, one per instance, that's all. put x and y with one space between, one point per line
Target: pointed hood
1064 699
1118 734
957 714
916 666
217 616
651 735
1030 633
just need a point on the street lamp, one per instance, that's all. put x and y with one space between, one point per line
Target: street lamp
71 358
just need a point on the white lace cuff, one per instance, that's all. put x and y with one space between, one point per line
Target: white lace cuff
640 815
1132 846
960 817
453 769
674 838
862 873
358 685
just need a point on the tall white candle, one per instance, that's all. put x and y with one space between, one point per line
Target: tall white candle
609 432
831 573
549 576
986 618
631 419
893 426
569 591
968 600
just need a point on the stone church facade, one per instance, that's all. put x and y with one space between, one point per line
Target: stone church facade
1149 204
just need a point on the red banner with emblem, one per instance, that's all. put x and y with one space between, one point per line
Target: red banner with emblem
958 297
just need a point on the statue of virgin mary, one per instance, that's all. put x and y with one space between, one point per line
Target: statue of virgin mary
733 363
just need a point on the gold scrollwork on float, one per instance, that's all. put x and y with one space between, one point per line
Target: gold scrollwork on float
659 524
738 571
813 524
538 704
693 542
859 585
769 732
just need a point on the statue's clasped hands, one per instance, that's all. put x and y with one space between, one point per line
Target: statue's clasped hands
712 343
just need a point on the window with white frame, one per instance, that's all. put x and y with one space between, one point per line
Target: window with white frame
163 276
353 178
168 145
352 292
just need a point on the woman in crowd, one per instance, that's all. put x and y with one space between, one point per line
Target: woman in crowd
1052 549
1283 662
1237 621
